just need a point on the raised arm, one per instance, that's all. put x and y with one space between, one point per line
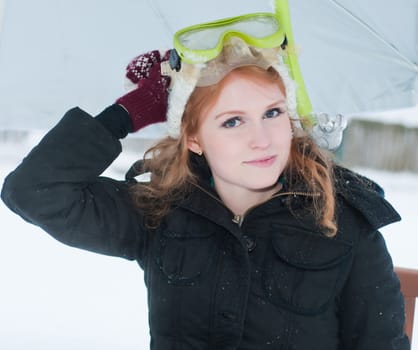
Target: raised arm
58 187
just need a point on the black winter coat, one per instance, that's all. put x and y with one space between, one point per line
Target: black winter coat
273 281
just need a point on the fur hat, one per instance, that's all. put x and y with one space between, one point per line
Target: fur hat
236 53
148 76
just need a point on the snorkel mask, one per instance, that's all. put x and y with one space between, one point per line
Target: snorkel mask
203 54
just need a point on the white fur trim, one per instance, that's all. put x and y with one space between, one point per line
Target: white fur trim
290 86
181 87
184 82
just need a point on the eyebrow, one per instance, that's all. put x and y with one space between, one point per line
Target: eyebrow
236 111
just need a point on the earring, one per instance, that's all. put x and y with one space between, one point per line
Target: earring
200 152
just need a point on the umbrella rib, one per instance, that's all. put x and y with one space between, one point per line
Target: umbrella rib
154 5
411 64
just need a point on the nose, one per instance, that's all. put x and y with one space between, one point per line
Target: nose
260 136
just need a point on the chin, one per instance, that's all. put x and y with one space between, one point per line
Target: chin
261 186
268 180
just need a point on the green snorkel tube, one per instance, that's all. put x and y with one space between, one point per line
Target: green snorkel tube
196 45
304 106
326 131
199 44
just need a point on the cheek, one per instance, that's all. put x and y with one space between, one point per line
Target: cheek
219 149
222 154
283 136
286 140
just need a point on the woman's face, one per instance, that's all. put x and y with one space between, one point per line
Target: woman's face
245 135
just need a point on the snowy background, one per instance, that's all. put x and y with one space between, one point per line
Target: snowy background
52 58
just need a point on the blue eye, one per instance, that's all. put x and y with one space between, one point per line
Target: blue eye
232 122
273 113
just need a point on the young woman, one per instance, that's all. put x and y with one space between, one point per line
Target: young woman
249 235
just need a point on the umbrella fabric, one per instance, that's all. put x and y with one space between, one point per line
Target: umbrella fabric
355 55
358 56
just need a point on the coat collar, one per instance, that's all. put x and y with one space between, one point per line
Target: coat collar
359 192
365 196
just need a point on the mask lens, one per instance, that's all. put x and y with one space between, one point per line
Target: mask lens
208 37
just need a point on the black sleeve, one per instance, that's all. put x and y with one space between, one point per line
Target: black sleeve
59 188
116 120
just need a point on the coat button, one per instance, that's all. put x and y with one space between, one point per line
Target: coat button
250 242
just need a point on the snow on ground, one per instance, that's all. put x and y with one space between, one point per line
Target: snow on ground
56 297
53 296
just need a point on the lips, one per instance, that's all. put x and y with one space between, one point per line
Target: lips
262 162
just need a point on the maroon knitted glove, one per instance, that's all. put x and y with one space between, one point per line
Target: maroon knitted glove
147 103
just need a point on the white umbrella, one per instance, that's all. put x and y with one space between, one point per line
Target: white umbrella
358 56
354 55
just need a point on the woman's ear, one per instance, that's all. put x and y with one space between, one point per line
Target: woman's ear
194 145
